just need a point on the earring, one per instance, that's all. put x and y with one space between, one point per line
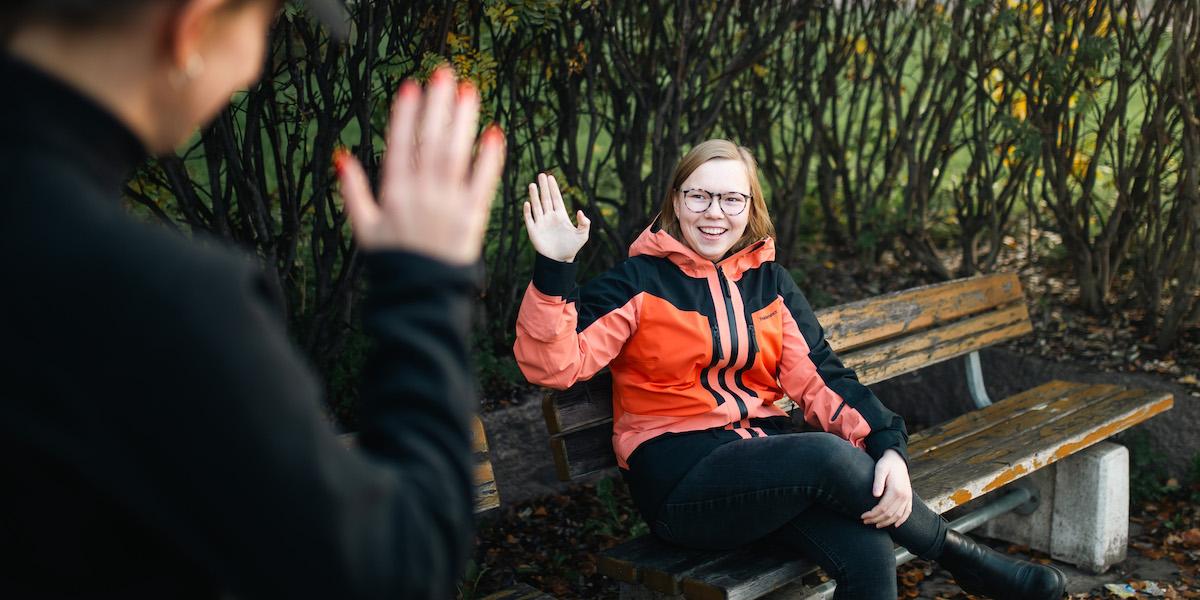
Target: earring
193 69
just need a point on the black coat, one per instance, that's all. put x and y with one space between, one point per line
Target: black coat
159 434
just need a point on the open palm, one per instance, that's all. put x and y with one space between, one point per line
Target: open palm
550 228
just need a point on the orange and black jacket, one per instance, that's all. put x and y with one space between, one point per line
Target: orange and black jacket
694 346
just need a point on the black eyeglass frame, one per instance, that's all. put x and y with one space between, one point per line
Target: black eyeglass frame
718 197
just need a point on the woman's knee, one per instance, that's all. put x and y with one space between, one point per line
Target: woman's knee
838 455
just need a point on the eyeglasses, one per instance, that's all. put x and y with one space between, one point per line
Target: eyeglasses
731 203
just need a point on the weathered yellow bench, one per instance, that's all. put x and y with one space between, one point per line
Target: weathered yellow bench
958 461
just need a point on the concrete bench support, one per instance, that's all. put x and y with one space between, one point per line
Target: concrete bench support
1083 513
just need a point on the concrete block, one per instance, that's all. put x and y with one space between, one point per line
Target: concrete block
1091 508
1031 530
1083 513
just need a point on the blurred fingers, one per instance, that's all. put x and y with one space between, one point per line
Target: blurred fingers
402 130
489 164
457 154
356 193
435 113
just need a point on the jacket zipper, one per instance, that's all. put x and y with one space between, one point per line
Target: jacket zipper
716 336
838 411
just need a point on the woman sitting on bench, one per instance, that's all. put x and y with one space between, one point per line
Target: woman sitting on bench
704 332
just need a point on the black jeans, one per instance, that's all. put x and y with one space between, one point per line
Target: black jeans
805 491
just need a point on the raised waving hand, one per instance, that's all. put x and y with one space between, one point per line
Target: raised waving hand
549 226
433 199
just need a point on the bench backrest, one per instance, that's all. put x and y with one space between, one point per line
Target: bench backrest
879 338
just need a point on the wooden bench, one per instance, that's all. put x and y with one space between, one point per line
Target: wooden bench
486 495
953 463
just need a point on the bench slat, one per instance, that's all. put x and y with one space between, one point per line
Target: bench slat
585 403
857 324
478 437
653 563
975 421
964 450
746 574
987 468
487 496
907 354
582 452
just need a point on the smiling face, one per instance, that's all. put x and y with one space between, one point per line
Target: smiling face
712 233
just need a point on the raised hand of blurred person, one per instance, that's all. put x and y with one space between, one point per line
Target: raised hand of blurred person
433 198
549 226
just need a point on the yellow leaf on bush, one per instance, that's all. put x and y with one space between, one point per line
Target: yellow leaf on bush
1019 108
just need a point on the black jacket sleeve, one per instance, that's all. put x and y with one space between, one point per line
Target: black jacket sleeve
189 407
887 428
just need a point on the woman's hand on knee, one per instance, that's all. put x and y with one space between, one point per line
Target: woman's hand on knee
894 491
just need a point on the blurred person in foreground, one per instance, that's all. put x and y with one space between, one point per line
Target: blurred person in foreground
161 437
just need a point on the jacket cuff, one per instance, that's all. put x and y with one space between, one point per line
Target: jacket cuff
881 441
553 278
394 270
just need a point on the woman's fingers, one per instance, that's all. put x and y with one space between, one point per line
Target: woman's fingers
528 216
456 155
557 196
536 203
436 112
356 193
489 165
402 132
881 475
544 193
889 510
583 223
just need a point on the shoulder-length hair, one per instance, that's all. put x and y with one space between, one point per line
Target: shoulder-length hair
759 225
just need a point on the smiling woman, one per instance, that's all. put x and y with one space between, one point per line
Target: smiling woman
703 333
711 167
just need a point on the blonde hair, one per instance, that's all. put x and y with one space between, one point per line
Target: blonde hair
758 225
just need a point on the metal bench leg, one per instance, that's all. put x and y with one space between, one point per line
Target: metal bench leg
975 381
1083 518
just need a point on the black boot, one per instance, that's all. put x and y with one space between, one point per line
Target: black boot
982 571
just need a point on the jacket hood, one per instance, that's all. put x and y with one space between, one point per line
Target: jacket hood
654 241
